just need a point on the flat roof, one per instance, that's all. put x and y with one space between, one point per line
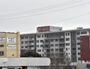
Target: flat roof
29 61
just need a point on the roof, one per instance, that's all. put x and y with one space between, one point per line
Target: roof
24 61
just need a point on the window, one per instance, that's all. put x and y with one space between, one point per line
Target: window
26 37
67 34
56 49
78 43
52 49
78 33
51 45
26 46
38 36
39 50
22 46
22 37
1 45
41 41
37 41
26 41
84 32
56 39
37 45
52 40
22 42
41 45
56 44
78 38
1 53
67 39
67 44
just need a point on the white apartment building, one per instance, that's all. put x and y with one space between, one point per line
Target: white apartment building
58 43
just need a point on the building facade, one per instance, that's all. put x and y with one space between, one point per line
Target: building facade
9 44
28 42
71 44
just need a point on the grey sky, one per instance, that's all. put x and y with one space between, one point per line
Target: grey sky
26 15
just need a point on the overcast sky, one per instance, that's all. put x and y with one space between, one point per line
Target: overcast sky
25 15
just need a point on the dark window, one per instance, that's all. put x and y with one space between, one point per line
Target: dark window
78 43
26 41
41 45
56 44
51 45
41 41
1 53
84 32
37 45
37 41
39 50
22 37
38 36
67 39
52 49
1 45
67 44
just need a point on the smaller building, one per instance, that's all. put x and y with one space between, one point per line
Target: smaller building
9 44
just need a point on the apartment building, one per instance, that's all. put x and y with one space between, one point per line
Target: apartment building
57 43
9 44
28 42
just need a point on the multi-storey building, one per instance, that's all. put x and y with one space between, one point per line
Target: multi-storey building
9 44
28 42
58 43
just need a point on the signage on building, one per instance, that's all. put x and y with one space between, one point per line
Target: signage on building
2 39
11 40
11 46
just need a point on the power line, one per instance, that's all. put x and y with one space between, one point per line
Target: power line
52 11
45 8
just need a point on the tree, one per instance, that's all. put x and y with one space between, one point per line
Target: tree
30 54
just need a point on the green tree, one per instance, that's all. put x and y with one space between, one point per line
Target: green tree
30 54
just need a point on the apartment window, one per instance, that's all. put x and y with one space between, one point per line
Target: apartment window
46 45
26 46
22 42
38 36
79 58
67 44
39 50
56 39
37 45
61 50
67 39
56 44
67 34
22 46
78 38
41 46
78 43
74 48
46 40
56 49
22 37
84 32
79 53
1 53
78 48
51 45
1 45
31 41
41 41
52 49
52 40
78 33
26 37
37 41
26 42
